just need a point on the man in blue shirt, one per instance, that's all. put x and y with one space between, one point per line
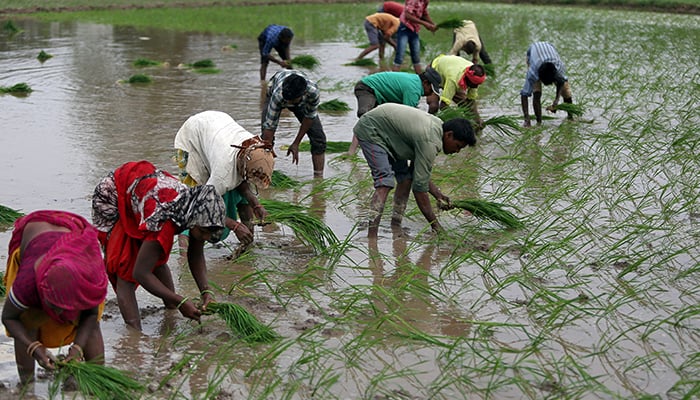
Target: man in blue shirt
544 66
276 37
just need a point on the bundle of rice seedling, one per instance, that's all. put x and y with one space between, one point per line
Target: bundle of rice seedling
203 64
305 61
18 88
449 113
489 210
144 62
308 228
452 23
139 78
334 105
490 70
43 56
8 215
100 381
282 181
573 109
10 27
362 62
503 123
242 322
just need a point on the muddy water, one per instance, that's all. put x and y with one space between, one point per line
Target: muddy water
80 122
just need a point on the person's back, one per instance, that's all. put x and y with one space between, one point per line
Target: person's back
393 8
395 87
209 138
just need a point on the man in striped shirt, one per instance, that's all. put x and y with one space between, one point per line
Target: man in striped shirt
293 90
544 66
276 37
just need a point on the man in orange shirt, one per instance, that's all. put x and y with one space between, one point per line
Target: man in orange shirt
380 27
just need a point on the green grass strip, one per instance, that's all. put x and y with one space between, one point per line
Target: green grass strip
483 209
243 323
334 105
100 381
305 61
308 228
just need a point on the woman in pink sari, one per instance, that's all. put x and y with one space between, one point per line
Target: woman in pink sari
57 285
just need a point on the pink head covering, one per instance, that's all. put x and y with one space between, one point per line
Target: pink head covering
71 276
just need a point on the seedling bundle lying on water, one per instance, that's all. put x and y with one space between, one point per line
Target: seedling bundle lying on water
144 62
501 123
489 210
282 181
100 381
17 88
363 62
304 61
139 78
242 323
334 105
8 216
309 229
43 56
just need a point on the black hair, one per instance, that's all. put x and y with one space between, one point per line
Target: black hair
286 33
461 130
293 86
470 47
478 69
547 72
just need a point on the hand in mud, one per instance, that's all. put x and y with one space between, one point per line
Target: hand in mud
206 299
243 234
294 151
285 64
260 212
189 310
444 203
45 358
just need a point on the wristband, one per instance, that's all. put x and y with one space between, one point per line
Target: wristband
81 355
32 347
206 291
235 226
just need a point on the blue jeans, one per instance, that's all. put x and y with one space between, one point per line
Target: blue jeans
406 36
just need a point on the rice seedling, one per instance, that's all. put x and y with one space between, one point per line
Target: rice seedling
503 123
242 322
8 215
334 105
99 380
10 27
307 228
450 23
362 62
573 109
139 78
489 210
331 146
19 88
144 62
490 70
449 113
203 64
282 181
305 61
43 56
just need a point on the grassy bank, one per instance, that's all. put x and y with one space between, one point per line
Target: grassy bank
30 6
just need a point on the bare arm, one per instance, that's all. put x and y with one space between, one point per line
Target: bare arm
306 124
423 201
13 324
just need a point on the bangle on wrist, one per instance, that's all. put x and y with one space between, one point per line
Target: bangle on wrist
183 301
205 291
32 347
236 224
79 349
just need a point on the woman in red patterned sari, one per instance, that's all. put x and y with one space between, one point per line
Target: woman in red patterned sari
138 210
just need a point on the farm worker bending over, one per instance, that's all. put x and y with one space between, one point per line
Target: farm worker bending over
460 82
57 286
544 66
276 37
396 87
415 14
212 149
379 27
466 38
391 136
138 210
391 7
291 89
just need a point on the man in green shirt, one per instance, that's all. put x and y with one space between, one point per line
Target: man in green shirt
392 135
396 87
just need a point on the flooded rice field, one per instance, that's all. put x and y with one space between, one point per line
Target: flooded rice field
596 297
